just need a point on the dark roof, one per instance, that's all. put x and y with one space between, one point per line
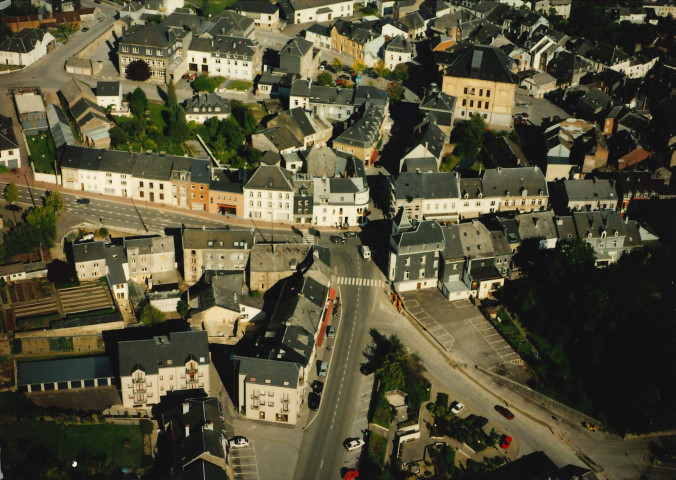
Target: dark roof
425 165
512 181
304 4
228 22
243 48
483 63
427 232
364 132
505 153
484 273
426 185
108 89
399 44
534 466
263 371
88 251
152 165
64 369
7 137
296 46
269 178
150 35
255 6
207 103
177 347
115 258
24 41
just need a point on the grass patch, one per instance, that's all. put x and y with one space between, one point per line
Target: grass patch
377 447
156 115
448 163
38 321
61 344
217 6
239 85
42 151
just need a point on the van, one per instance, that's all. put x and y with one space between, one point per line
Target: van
365 251
323 369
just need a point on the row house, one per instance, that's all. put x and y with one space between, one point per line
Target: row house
150 369
10 153
95 260
426 195
523 189
263 13
268 195
320 10
215 249
588 195
303 199
560 7
270 264
351 39
231 57
27 47
226 197
92 122
151 260
362 137
309 130
340 202
299 57
333 103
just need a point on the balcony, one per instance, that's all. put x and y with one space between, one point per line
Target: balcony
189 370
139 380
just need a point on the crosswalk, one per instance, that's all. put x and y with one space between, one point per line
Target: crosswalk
360 282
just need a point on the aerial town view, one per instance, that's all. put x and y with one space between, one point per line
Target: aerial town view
337 239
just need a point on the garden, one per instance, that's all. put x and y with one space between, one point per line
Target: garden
42 151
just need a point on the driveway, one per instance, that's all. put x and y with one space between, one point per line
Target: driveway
464 332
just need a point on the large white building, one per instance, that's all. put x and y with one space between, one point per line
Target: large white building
268 195
321 10
150 369
231 57
29 45
10 154
340 202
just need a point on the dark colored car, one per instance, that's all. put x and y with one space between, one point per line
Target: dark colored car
504 412
351 234
317 387
313 401
85 29
337 239
14 208
83 201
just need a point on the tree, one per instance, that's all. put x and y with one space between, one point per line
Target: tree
146 426
358 66
11 193
118 137
150 315
395 92
472 134
337 64
324 79
138 70
177 128
183 308
231 132
205 83
54 201
138 103
172 100
381 69
61 272
244 116
206 9
43 220
400 73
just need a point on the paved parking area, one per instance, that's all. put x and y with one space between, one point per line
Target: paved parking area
243 461
360 423
460 328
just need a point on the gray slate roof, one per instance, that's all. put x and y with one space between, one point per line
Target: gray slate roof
595 223
515 181
364 132
88 251
24 41
277 258
269 178
425 233
108 89
537 224
297 47
260 370
64 369
483 63
7 137
177 347
426 185
217 239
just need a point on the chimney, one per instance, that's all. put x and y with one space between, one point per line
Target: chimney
212 43
187 430
186 407
85 248
209 425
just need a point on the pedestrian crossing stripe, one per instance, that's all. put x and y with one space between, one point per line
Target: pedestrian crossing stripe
360 282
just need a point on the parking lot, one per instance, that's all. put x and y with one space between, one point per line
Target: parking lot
461 329
360 423
243 461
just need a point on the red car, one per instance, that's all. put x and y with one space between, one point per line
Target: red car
505 441
504 412
351 475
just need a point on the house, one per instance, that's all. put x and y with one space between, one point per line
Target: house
91 120
64 374
428 141
522 188
541 225
263 13
270 264
10 154
268 389
160 46
276 139
452 266
334 103
231 24
503 152
320 10
426 195
232 57
340 202
225 196
136 9
437 107
537 465
604 231
319 35
398 50
198 439
481 80
152 260
413 260
268 195
632 14
574 145
539 84
204 106
568 69
352 39
150 369
561 7
636 186
31 112
589 195
12 272
215 250
27 47
94 260
310 131
109 94
362 137
626 151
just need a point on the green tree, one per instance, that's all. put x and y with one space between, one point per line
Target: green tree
472 134
43 220
177 128
358 66
118 137
54 201
400 73
138 103
231 132
11 193
183 309
206 9
151 315
395 92
146 427
244 116
324 79
138 70
172 99
205 83
337 64
381 69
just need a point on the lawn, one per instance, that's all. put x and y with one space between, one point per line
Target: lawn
217 6
377 446
448 163
42 151
239 85
156 115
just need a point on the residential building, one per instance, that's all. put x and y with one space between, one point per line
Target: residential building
231 24
398 50
64 374
589 195
150 369
428 141
334 103
340 202
27 47
297 56
473 203
540 225
538 465
31 112
561 7
94 260
268 195
204 106
413 261
351 38
270 264
320 10
268 389
539 84
362 137
604 231
481 80
10 154
523 189
160 46
319 35
91 120
217 250
502 152
574 145
225 196
232 57
426 195
136 9
452 266
152 261
109 94
59 128
276 139
263 13
437 107
310 131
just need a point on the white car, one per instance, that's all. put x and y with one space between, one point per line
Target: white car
354 443
456 407
238 442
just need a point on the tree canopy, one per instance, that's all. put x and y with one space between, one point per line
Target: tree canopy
177 126
381 69
151 315
138 70
324 79
205 83
172 99
54 201
604 336
11 193
471 135
138 102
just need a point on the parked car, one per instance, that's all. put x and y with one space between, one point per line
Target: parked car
505 441
330 331
83 201
323 369
317 386
313 401
238 442
589 426
15 208
354 443
365 251
523 104
456 407
504 412
351 234
337 239
322 67
85 29
351 474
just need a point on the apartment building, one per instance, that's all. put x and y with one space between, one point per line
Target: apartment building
151 260
232 57
523 189
268 195
215 249
270 264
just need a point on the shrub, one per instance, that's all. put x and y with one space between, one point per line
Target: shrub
139 71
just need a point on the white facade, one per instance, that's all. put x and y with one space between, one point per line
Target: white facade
24 59
319 40
634 68
227 67
204 116
10 158
268 205
106 101
392 59
329 11
154 191
336 208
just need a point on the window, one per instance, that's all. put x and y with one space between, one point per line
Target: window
465 90
481 91
471 103
464 102
478 105
488 93
486 105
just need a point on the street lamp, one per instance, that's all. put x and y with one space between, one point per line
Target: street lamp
29 188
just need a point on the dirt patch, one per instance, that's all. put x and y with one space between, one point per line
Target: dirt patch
80 399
